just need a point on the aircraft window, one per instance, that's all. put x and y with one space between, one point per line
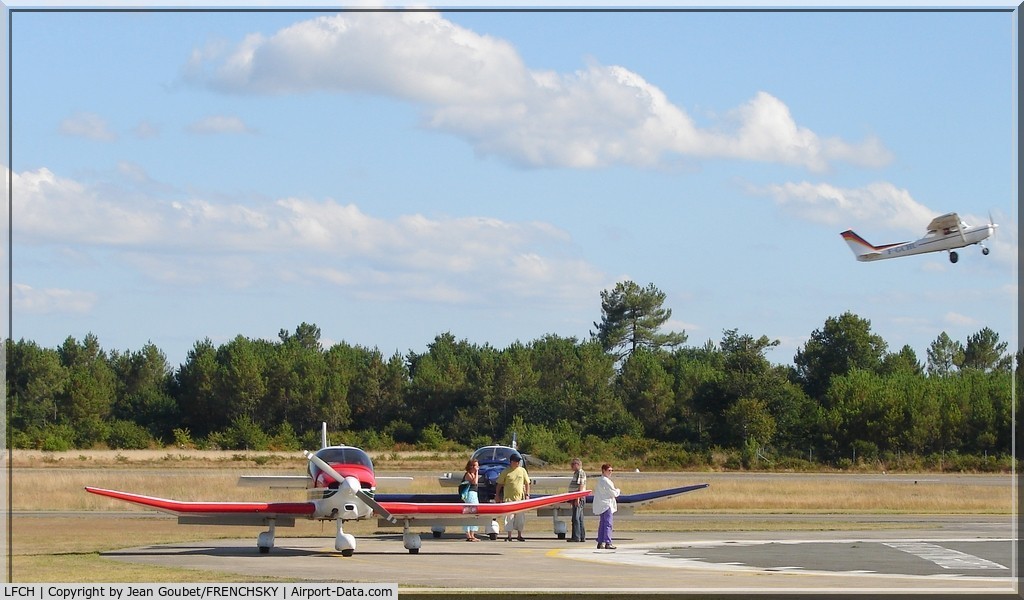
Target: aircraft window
484 454
345 456
493 454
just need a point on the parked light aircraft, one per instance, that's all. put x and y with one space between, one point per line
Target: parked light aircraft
342 487
494 459
945 232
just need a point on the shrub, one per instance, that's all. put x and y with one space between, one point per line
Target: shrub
400 431
432 438
285 438
243 434
183 438
128 436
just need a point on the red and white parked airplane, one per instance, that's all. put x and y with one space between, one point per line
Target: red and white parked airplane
341 485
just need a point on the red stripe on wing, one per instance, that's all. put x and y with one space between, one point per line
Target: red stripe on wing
222 508
399 509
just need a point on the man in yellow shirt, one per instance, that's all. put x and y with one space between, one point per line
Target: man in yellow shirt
514 484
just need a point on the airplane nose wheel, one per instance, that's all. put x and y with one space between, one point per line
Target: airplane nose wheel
953 257
984 250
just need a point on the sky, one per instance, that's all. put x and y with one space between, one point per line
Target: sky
393 176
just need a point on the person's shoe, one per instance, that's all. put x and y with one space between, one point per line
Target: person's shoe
508 539
609 547
600 545
521 539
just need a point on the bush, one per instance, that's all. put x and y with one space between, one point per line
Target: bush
400 431
183 438
243 434
50 438
128 436
432 438
285 438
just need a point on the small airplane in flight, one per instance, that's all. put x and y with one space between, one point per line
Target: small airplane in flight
495 459
341 487
945 232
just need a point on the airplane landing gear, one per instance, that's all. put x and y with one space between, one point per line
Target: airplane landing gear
344 542
265 541
410 540
953 257
984 250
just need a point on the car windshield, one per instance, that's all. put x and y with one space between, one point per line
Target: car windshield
345 455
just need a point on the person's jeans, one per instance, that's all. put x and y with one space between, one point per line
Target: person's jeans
604 528
579 533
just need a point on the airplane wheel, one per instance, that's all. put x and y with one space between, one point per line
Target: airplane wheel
984 251
348 552
414 550
492 536
953 257
264 550
436 534
561 536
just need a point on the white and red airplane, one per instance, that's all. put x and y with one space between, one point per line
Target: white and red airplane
945 232
342 485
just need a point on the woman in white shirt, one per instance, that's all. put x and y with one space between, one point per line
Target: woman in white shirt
605 493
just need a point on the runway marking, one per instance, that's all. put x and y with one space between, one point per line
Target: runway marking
944 557
660 555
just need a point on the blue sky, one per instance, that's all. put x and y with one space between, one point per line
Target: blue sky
393 176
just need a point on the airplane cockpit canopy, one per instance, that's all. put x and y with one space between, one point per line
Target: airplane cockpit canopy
345 455
493 454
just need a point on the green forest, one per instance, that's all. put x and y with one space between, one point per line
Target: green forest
631 389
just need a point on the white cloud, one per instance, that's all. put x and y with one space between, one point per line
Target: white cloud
477 87
195 241
959 320
87 125
27 299
878 205
219 124
146 130
46 207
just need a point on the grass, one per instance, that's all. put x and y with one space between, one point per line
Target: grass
47 547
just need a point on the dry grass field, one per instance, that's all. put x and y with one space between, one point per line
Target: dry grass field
58 530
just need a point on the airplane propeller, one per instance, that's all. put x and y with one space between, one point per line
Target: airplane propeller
356 489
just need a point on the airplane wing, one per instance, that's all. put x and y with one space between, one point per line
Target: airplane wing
946 221
217 513
411 509
256 513
643 498
627 503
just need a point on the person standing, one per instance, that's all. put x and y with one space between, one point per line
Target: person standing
471 484
605 506
514 484
578 483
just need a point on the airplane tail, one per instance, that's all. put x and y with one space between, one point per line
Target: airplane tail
861 248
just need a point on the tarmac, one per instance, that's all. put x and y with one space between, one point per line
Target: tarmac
880 555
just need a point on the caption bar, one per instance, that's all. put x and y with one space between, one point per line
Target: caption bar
201 591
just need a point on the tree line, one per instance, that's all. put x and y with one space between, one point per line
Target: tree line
845 399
